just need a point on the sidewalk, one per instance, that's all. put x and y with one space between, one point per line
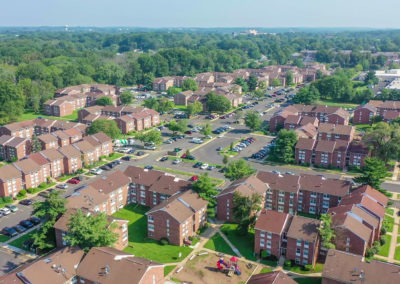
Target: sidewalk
394 234
395 171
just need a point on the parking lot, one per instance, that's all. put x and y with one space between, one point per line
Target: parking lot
9 261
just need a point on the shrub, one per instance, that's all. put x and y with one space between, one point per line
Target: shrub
264 254
21 193
271 258
190 238
79 171
7 199
164 241
288 263
308 267
42 185
31 190
382 241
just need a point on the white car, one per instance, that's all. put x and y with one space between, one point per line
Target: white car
97 171
204 166
5 211
177 161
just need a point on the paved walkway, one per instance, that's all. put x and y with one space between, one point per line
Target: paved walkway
395 171
395 234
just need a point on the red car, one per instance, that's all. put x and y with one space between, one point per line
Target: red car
183 156
188 132
74 181
222 117
194 178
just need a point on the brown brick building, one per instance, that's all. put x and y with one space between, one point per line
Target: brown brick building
14 148
10 181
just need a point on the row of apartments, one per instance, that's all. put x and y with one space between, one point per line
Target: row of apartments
127 118
75 97
98 265
52 163
387 110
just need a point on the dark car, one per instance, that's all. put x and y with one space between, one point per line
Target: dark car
35 220
198 164
148 167
27 224
131 151
19 228
11 232
44 194
126 158
26 202
80 188
163 159
105 168
188 132
191 157
111 165
140 153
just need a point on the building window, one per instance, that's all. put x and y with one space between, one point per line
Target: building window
312 210
262 243
262 234
150 227
298 251
280 208
313 201
306 244
298 243
269 235
150 219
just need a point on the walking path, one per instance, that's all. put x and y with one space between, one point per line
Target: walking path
395 171
395 234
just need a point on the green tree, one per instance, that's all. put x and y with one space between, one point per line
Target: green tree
262 85
238 169
189 84
245 210
36 145
238 115
151 103
205 187
326 232
252 82
180 126
370 78
152 136
49 210
173 91
307 95
206 130
284 148
253 120
194 108
165 105
289 78
109 127
126 98
242 82
12 102
225 159
217 103
87 231
373 173
104 101
276 82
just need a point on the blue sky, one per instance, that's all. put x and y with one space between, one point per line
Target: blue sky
202 13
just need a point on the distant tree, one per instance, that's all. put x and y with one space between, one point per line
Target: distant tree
109 127
276 82
307 95
289 78
194 108
205 187
238 169
259 93
262 85
126 98
326 232
189 84
36 145
180 126
173 91
284 146
12 102
253 120
373 173
104 101
217 103
151 103
252 82
165 105
152 136
206 130
242 82
245 210
238 114
87 231
225 159
370 78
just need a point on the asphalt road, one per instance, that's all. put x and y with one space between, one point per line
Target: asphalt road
9 261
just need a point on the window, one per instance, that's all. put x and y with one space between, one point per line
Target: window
167 222
281 193
269 235
262 243
269 206
291 195
306 244
297 260
268 244
299 208
262 234
305 253
143 194
281 200
305 261
300 199
325 204
298 243
150 227
347 241
313 201
326 196
280 208
312 210
150 219
298 251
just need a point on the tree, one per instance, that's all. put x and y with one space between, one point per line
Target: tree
12 102
189 84
194 108
252 82
206 130
217 103
151 103
242 82
370 78
289 78
49 210
326 232
259 93
104 101
307 95
180 126
373 173
262 85
152 136
109 127
284 147
164 105
245 210
253 120
173 91
276 82
225 159
87 231
126 98
238 169
205 187
36 145
238 115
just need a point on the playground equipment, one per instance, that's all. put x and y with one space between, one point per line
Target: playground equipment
232 266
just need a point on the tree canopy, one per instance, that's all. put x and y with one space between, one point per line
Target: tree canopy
373 173
152 136
253 120
126 98
217 103
180 126
205 187
238 169
194 108
189 84
104 101
284 147
109 127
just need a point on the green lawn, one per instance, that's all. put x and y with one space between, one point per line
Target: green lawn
397 253
265 270
217 243
308 280
308 215
18 242
389 211
335 104
363 127
140 245
168 269
390 222
245 243
398 239
114 156
299 269
384 250
4 238
31 115
66 177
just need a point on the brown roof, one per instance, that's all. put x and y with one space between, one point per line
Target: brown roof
87 198
110 182
308 119
84 146
293 119
9 172
352 209
61 134
39 159
109 266
12 141
325 146
321 184
182 206
272 221
305 144
27 166
288 183
169 185
364 201
274 277
51 155
69 151
358 147
143 176
73 132
19 125
56 268
101 137
47 138
246 186
335 128
372 193
303 228
307 131
344 267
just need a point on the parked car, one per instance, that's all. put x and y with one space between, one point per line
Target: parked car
12 207
74 181
11 232
96 171
44 194
105 167
19 228
219 148
163 159
198 164
126 158
26 223
204 166
5 211
35 220
188 132
177 161
211 167
140 153
148 167
62 186
26 202
194 178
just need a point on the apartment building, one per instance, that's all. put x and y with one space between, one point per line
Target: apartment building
72 159
305 193
63 139
93 110
296 121
48 141
245 186
163 83
177 218
101 142
56 162
10 181
89 153
333 132
22 129
331 153
33 174
387 110
295 237
14 148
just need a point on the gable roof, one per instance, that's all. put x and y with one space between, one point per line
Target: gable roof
351 223
69 151
288 183
372 193
305 144
27 166
274 277
169 185
246 186
321 184
271 221
51 154
335 128
304 228
110 182
47 138
8 172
